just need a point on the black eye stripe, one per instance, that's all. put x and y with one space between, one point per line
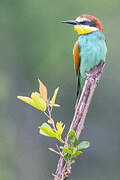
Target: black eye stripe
84 22
89 23
93 23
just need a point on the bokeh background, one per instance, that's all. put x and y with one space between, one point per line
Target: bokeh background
34 44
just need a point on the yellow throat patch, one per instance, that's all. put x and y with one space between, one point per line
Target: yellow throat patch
83 29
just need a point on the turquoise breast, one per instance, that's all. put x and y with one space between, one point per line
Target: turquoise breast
92 50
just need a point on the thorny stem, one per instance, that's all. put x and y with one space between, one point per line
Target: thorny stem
63 171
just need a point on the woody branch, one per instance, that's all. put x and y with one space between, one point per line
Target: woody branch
63 170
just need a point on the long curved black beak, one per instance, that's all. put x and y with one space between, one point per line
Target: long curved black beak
74 22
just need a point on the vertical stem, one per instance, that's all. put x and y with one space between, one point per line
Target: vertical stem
63 171
49 111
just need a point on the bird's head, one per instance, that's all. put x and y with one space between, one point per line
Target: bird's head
85 24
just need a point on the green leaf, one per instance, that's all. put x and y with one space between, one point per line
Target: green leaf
54 97
66 150
72 138
67 159
38 101
46 130
83 145
72 134
77 153
75 150
75 142
60 127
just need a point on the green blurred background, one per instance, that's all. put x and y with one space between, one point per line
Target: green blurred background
34 44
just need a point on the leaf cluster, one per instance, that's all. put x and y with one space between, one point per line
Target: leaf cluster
41 101
73 148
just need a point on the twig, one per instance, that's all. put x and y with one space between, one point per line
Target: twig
56 176
49 111
46 114
63 171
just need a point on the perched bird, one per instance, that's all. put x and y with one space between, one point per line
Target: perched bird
89 49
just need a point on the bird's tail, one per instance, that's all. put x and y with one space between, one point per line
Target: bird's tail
80 85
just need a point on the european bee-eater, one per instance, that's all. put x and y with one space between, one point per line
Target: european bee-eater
89 49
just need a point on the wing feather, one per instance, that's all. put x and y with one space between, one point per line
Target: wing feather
76 56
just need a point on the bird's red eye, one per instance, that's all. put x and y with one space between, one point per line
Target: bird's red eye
86 22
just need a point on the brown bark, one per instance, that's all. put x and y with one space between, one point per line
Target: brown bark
63 171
